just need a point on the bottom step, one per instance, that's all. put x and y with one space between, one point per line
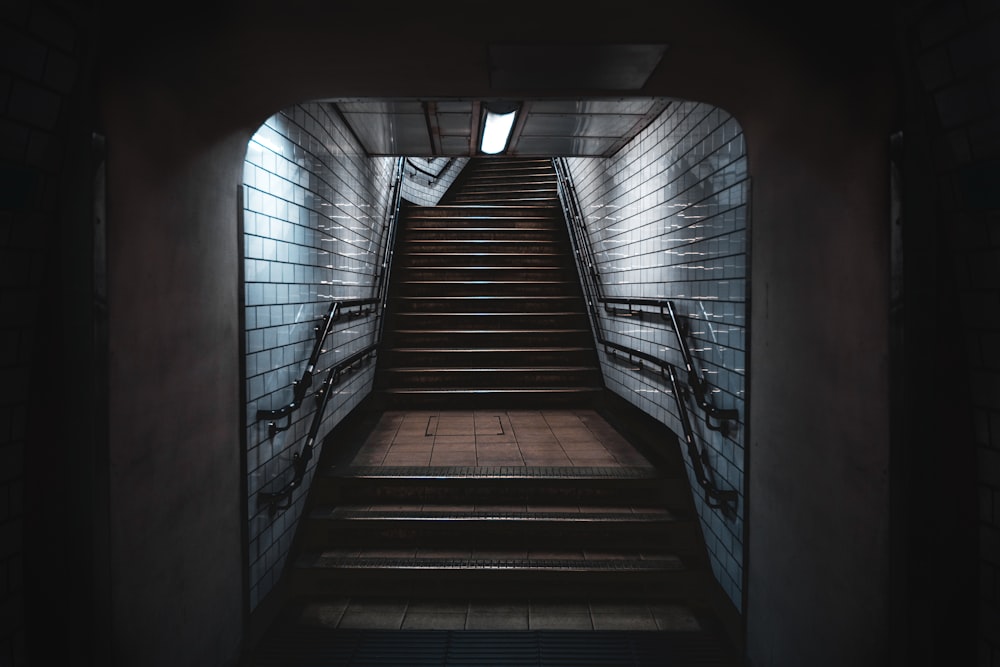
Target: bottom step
550 575
494 398
301 646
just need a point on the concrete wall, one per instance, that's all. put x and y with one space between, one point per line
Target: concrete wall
667 219
315 224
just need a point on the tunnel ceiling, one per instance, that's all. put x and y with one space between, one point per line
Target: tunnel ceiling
544 127
552 122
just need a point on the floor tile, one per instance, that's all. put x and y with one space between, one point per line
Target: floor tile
371 620
547 621
496 622
674 618
434 621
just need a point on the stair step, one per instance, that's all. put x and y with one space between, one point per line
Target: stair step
413 259
582 528
493 320
473 356
524 337
527 288
488 397
499 212
498 303
557 575
617 486
443 274
496 377
513 562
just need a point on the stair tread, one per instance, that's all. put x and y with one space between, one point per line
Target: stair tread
422 513
506 313
498 560
487 369
464 350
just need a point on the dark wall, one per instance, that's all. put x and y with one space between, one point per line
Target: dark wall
51 502
177 98
947 527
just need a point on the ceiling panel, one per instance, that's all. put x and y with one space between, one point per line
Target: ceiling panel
561 146
547 128
577 125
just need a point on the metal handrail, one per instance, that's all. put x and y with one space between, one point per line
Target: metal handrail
714 497
699 386
282 499
302 385
300 460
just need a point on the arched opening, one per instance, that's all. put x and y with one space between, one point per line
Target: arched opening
663 189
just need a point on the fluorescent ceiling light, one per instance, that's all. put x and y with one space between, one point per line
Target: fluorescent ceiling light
496 131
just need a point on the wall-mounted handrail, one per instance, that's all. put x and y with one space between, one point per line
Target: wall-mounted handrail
282 498
714 497
302 385
699 386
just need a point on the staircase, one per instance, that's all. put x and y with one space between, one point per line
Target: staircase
508 555
486 306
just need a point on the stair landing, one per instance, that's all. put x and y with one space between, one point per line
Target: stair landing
488 438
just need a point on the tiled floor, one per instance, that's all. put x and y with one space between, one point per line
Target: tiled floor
496 438
506 615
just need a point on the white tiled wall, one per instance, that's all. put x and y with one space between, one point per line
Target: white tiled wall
315 209
667 219
425 180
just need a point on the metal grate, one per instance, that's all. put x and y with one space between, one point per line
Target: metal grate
497 472
316 647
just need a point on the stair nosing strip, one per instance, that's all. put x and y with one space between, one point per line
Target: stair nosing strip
447 473
486 564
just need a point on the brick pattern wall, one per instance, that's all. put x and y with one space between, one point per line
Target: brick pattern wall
667 219
314 229
425 180
43 54
953 47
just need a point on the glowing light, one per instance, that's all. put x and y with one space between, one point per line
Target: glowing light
496 131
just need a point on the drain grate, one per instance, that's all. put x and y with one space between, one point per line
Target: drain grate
497 472
301 646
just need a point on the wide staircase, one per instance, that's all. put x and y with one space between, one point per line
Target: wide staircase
485 304
589 559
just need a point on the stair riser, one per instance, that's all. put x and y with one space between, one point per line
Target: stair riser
492 377
536 182
493 339
447 359
481 211
473 247
513 199
509 172
611 493
464 274
424 399
492 321
540 535
492 305
409 261
437 287
498 584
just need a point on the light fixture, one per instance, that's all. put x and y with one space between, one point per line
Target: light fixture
498 121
